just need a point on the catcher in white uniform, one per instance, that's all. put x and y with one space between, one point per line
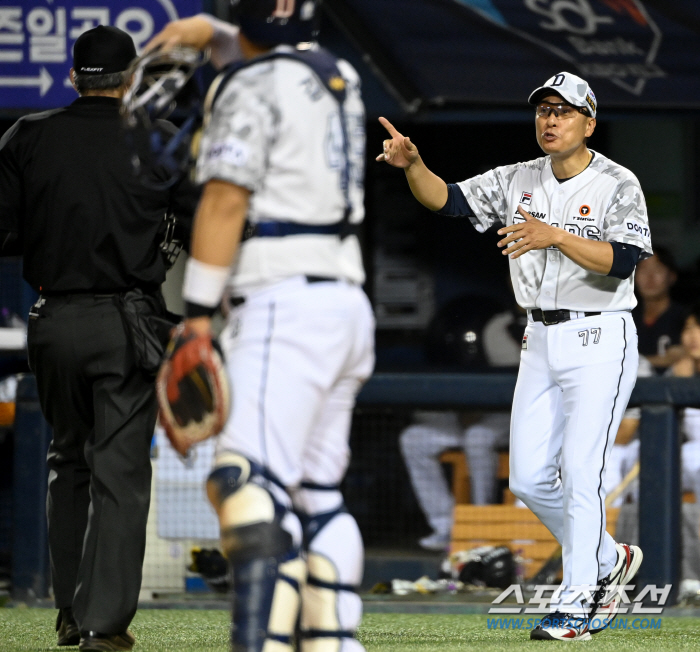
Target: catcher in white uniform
574 226
282 158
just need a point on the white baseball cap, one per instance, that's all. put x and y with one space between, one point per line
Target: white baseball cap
571 88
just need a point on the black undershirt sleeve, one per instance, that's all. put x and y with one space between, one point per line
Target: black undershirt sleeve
625 258
456 205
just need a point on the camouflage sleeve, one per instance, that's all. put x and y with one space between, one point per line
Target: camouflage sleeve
486 195
626 219
236 142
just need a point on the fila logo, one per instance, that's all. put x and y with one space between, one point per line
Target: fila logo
584 211
526 198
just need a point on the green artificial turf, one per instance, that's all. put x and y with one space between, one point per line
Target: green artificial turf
194 630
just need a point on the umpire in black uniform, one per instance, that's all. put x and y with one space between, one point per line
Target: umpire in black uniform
89 233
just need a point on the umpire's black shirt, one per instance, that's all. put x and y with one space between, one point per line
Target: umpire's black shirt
84 221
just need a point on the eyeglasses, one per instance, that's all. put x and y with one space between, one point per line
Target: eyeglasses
561 111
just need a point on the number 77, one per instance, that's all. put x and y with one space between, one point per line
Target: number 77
585 334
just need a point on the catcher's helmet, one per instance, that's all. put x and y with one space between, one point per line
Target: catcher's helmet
271 22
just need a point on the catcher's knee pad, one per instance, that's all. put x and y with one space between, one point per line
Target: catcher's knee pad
331 607
267 571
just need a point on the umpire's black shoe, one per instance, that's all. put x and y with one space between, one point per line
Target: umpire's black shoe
67 628
95 642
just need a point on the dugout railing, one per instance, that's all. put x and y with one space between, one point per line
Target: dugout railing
659 497
660 466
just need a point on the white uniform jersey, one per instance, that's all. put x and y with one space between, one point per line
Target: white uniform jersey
276 130
604 202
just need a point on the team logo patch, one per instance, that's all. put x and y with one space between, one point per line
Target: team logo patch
526 198
590 99
231 150
524 344
584 211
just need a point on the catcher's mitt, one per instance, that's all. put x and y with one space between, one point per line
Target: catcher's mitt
193 391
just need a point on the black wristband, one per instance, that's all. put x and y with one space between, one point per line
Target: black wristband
193 310
625 258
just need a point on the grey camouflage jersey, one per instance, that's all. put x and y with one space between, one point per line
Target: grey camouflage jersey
604 202
276 130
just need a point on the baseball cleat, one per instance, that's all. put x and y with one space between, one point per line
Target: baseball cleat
67 628
559 626
606 600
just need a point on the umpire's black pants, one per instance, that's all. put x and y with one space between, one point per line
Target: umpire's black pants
102 410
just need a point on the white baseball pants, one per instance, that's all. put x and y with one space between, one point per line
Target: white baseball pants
297 354
574 382
434 432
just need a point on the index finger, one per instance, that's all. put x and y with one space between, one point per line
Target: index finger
389 127
524 213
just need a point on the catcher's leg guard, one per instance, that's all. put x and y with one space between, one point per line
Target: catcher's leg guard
331 607
266 569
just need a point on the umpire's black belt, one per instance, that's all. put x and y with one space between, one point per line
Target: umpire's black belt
549 317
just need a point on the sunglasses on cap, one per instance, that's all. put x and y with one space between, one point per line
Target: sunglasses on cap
561 111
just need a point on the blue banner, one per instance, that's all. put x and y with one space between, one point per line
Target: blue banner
456 53
37 37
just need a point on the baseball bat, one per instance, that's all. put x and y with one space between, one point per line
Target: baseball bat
631 476
550 568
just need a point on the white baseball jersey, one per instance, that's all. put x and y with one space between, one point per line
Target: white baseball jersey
276 130
604 202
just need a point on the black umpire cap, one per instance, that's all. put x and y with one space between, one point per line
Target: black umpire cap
103 50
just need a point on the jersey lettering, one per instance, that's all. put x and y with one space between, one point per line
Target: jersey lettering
537 215
643 230
591 232
313 89
356 129
587 231
334 142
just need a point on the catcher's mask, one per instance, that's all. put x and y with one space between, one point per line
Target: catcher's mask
162 85
271 22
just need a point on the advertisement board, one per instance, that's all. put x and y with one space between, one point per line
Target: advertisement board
37 37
